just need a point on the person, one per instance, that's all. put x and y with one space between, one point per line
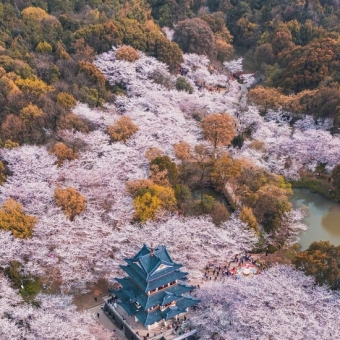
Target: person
267 250
95 299
98 315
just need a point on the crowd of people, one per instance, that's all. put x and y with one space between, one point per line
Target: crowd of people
232 268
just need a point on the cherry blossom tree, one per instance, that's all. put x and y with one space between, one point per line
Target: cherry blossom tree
55 318
281 303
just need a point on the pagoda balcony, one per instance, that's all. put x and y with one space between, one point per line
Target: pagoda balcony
157 290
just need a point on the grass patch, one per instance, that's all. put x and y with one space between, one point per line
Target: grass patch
28 286
31 287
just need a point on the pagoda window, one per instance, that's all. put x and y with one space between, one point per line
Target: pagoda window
172 303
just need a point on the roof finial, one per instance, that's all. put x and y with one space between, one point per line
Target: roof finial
151 250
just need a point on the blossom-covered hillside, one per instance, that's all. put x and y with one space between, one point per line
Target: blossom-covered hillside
77 252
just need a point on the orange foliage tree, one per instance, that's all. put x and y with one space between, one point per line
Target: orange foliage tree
219 129
63 153
127 53
70 201
122 130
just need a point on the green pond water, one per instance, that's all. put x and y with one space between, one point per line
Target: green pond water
198 193
324 218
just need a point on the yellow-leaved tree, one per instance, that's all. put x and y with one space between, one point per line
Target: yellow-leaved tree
63 153
70 201
146 207
151 199
34 13
30 114
43 47
8 144
12 218
247 216
66 100
122 130
33 87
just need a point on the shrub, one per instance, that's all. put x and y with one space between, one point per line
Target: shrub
164 164
183 85
8 144
162 79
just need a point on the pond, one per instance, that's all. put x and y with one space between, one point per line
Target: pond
198 193
324 217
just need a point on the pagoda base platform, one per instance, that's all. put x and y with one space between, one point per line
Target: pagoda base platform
173 329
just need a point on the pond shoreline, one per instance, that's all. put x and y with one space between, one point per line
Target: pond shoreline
319 185
323 219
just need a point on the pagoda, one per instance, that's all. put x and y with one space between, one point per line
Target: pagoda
154 289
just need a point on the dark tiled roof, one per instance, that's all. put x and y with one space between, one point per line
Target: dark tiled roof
148 260
149 318
180 307
130 308
131 293
156 282
162 269
136 267
144 250
160 281
186 301
171 312
140 281
148 270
